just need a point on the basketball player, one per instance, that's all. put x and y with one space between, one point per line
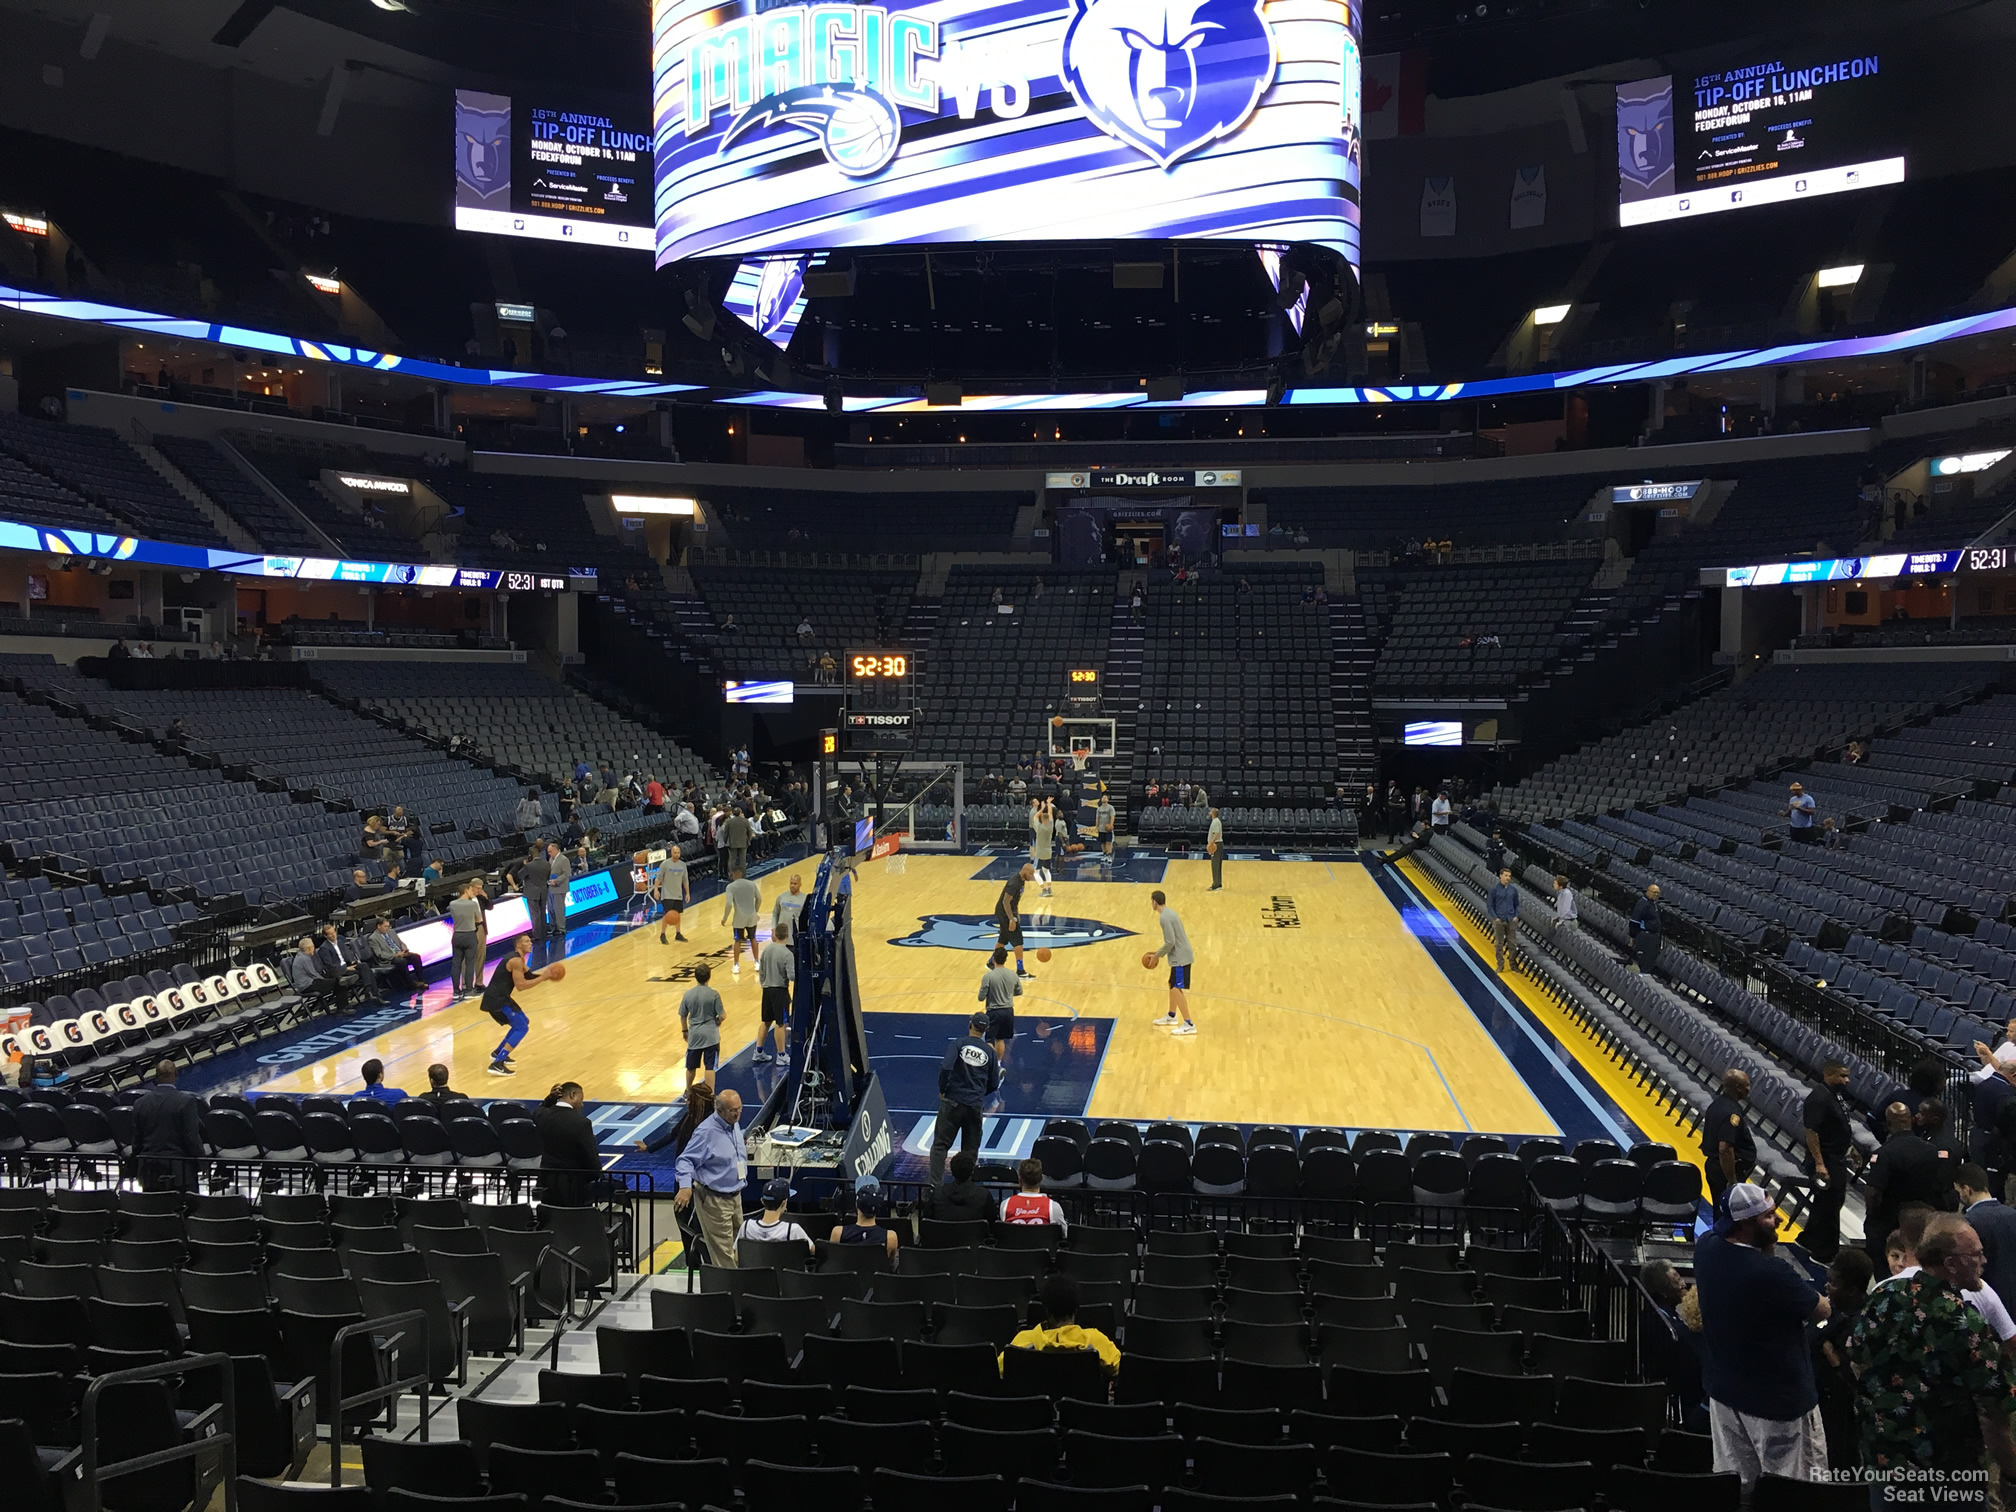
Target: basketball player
673 888
776 970
700 1013
1042 840
743 902
510 977
1176 948
1008 916
789 905
1103 818
998 990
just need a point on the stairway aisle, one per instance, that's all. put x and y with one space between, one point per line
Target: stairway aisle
1351 659
1120 701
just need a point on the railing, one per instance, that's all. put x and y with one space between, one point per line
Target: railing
390 1391
88 1494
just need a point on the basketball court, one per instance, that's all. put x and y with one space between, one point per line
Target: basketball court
1326 994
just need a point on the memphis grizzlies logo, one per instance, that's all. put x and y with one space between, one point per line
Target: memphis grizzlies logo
858 129
482 147
1168 76
978 932
1645 138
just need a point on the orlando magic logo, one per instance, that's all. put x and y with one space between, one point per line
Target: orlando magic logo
978 932
482 147
1168 76
858 129
1645 137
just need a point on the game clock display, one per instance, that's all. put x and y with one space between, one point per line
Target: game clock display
862 665
879 682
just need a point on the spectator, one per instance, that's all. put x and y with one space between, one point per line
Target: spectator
1728 1149
1799 810
865 1229
533 875
1645 930
387 956
1995 1223
339 969
1030 1204
962 1199
1906 1169
697 1109
1829 1142
373 1072
805 634
1671 1346
773 1227
654 796
571 1161
529 814
685 823
375 839
167 1133
729 627
438 1091
1565 915
1438 813
1060 1330
1504 908
1847 1291
711 1172
303 974
360 886
1831 837
1930 1376
1763 1406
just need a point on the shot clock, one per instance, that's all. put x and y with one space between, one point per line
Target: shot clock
881 701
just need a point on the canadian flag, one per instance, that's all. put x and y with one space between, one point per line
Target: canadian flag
1396 85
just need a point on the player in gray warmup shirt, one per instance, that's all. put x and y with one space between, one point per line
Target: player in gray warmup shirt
998 990
1102 818
700 1015
1042 841
1176 949
784 913
744 904
776 970
673 888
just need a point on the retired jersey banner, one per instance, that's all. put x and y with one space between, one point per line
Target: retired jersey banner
798 128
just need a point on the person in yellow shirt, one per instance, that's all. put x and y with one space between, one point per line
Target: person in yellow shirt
1060 1328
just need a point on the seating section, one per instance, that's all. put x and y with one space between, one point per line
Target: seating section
296 469
509 520
1453 631
512 715
1508 512
38 499
275 528
97 466
905 522
1329 827
1236 691
992 678
1783 714
51 931
849 611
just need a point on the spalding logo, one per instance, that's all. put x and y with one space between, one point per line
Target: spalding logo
978 932
1168 76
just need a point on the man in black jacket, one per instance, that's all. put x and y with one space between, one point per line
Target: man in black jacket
962 1199
532 878
1995 1222
167 1132
438 1091
571 1162
969 1075
1645 930
1906 1169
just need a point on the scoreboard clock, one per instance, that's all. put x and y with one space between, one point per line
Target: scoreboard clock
881 701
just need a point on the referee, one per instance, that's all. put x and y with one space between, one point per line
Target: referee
969 1075
1214 843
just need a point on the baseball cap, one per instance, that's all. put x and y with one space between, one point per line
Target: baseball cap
1746 1201
869 1200
776 1191
978 1021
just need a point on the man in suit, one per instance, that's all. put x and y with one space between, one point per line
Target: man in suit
559 873
341 970
1994 1221
168 1133
1906 1169
532 878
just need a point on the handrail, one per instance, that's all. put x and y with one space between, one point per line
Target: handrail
93 1474
389 1391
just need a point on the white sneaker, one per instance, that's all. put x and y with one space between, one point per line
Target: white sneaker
1165 1021
735 970
1184 1028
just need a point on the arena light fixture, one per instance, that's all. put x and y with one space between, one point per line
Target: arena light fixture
322 283
1551 314
27 225
645 504
1843 277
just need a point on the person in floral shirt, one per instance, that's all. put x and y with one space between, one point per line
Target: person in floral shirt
1930 1374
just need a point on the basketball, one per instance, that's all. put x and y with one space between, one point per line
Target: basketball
1073 849
557 972
1043 954
1057 721
1148 960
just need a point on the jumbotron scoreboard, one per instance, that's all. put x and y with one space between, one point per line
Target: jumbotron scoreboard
881 712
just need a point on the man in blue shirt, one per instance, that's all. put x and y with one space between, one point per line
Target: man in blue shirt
1799 814
1504 908
712 1171
374 1084
1763 1405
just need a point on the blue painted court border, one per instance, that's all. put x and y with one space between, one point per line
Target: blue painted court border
1571 1097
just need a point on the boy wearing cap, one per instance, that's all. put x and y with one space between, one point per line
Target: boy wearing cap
968 1076
1763 1403
864 1229
773 1227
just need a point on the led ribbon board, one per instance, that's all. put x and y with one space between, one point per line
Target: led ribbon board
794 128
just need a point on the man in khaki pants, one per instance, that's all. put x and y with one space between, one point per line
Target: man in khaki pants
712 1171
1503 901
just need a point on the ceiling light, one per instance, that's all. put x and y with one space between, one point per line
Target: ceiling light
1839 278
645 504
1551 314
27 225
322 283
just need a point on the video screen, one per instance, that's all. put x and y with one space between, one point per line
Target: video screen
767 294
759 692
798 128
544 169
1433 732
1762 131
864 834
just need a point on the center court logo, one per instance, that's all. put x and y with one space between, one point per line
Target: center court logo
978 932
